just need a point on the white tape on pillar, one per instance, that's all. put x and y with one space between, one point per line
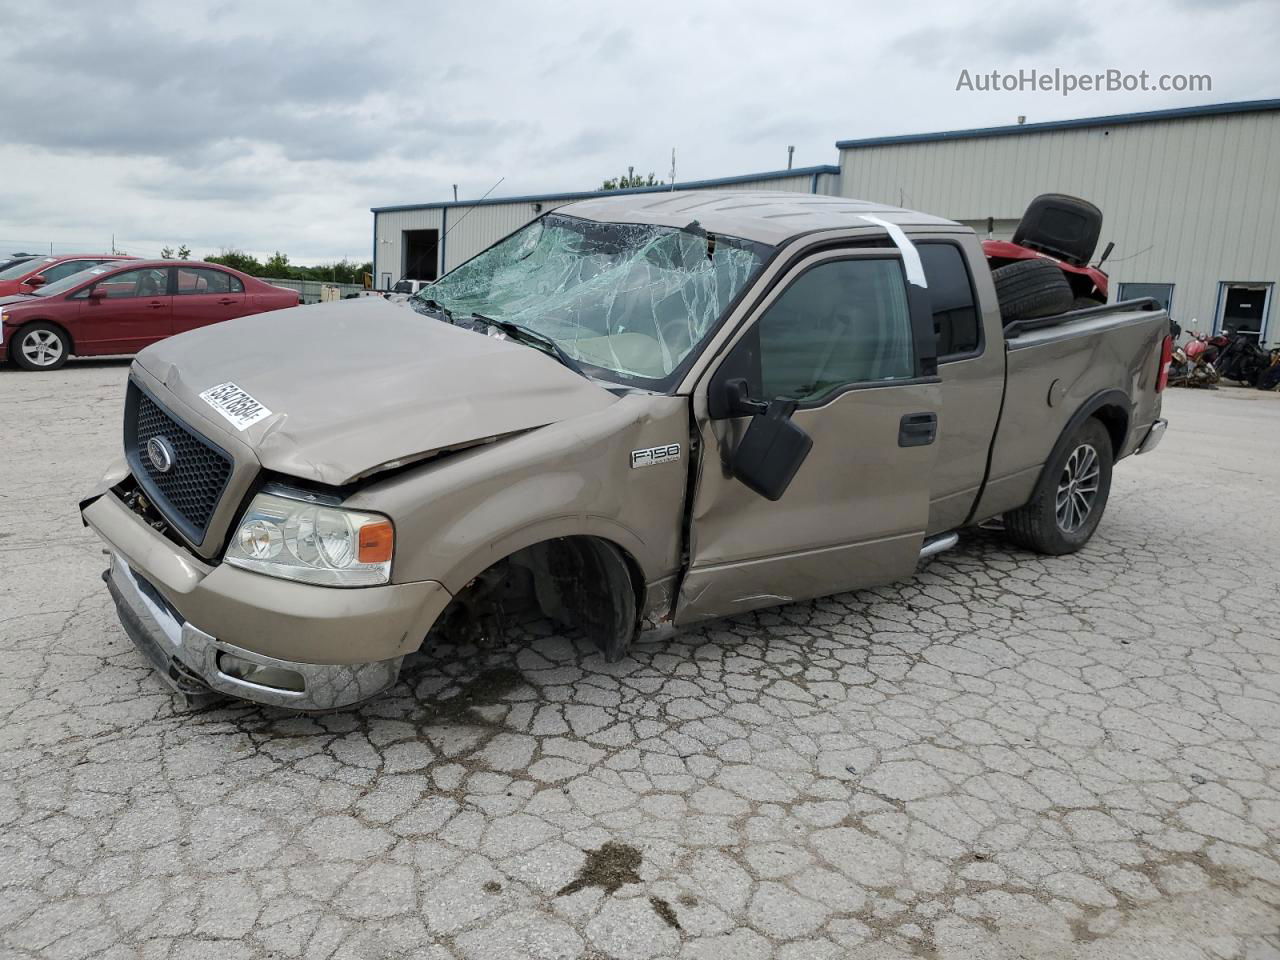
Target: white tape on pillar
910 255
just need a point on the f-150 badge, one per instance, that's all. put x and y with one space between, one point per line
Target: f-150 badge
652 456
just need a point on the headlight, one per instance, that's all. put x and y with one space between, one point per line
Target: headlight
313 543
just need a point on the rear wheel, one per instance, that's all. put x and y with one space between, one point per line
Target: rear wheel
1072 494
40 346
1027 289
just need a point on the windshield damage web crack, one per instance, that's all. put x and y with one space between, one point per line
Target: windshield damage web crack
626 302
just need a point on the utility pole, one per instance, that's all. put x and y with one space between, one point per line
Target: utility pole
455 193
791 152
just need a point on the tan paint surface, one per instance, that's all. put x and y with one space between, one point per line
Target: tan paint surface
559 460
355 384
854 515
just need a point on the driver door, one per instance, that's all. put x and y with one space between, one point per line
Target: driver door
848 339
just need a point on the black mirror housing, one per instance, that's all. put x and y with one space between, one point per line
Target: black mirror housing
771 451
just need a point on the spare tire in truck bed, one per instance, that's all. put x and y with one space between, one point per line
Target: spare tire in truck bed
1027 289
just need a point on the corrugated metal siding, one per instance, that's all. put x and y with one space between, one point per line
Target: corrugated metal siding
796 184
471 229
1191 201
828 184
388 240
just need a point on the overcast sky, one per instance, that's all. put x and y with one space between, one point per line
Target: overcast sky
270 126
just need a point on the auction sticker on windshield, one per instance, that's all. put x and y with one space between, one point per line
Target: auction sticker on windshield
236 406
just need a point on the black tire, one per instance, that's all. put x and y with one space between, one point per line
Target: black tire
1039 525
1085 303
55 346
1027 289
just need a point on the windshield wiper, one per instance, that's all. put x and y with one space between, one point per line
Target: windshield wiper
431 308
534 339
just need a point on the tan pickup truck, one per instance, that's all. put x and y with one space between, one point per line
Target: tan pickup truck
660 407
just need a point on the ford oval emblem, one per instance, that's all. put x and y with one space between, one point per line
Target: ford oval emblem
160 453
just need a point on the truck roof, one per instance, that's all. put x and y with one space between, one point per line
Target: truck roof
768 217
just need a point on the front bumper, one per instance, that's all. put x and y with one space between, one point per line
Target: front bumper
222 628
1153 437
194 663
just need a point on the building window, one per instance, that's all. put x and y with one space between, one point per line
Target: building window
1161 293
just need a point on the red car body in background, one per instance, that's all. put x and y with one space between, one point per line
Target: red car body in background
30 276
120 308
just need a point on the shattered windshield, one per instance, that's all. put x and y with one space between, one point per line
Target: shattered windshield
626 301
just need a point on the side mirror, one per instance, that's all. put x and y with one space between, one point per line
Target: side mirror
36 281
97 293
771 450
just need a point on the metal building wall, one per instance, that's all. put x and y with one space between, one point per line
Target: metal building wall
388 247
472 229
468 229
1190 201
797 184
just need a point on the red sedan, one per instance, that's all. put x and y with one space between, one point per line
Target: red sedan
26 276
121 308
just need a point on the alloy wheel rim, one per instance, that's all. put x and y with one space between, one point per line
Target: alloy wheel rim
42 347
1077 488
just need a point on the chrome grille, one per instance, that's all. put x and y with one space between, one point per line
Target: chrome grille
188 492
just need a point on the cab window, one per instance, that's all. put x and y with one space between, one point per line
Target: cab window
840 323
956 321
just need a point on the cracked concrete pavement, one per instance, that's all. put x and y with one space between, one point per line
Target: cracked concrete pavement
1005 756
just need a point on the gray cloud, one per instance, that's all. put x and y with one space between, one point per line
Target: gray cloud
1019 32
278 126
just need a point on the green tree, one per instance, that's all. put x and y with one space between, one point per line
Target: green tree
237 260
184 252
630 179
166 253
278 266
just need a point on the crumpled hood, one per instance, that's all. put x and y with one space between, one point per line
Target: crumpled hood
354 385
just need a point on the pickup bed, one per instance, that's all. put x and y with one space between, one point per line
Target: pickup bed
645 408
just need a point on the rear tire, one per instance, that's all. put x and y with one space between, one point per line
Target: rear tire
40 346
1070 498
1027 289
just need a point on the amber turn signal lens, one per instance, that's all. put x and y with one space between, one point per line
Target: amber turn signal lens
377 542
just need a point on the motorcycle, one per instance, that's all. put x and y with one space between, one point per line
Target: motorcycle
1270 378
1240 358
1192 363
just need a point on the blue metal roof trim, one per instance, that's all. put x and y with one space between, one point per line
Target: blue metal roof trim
589 194
1176 113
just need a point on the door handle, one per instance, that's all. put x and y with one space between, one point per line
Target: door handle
226 301
156 304
917 429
